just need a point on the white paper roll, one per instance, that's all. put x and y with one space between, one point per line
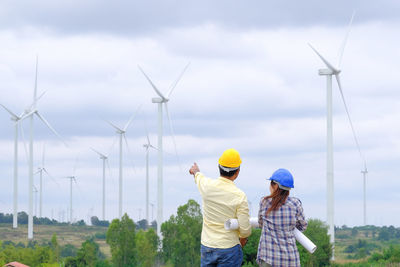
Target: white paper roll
233 224
304 241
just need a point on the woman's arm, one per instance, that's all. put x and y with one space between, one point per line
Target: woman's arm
260 213
301 222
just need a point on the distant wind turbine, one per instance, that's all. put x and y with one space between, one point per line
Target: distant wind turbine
42 169
162 99
104 158
16 119
147 146
328 72
30 113
71 178
121 133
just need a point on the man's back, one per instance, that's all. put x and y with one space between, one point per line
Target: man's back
222 200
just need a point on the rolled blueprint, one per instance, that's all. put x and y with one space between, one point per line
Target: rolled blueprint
233 224
304 241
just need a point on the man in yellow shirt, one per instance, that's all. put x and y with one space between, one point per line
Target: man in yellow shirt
222 200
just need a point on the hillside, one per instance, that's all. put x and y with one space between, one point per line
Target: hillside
66 234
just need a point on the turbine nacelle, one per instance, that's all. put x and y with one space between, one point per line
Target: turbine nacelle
327 72
159 100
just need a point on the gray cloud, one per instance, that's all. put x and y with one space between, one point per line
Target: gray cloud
144 17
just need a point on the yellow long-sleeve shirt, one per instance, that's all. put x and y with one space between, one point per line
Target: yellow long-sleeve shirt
222 200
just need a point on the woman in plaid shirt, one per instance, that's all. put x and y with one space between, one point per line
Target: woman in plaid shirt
279 214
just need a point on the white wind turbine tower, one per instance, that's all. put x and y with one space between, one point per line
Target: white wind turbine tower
364 172
121 133
16 119
70 196
148 145
104 158
162 99
71 178
30 113
328 72
35 191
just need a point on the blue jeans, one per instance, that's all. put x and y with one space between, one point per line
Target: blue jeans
221 257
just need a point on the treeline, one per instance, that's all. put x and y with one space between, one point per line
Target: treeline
384 233
23 219
137 244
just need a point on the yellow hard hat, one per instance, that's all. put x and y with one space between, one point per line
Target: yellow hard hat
230 158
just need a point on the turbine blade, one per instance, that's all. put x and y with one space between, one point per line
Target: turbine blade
177 80
147 133
113 144
51 177
24 142
32 106
171 129
329 65
36 78
341 50
152 84
15 117
113 125
43 152
51 128
153 147
100 154
26 115
348 116
132 117
129 152
109 169
75 165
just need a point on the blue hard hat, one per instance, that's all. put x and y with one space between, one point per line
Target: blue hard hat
283 178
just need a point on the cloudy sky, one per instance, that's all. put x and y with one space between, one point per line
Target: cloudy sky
252 84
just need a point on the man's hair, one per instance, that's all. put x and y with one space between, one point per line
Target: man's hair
225 173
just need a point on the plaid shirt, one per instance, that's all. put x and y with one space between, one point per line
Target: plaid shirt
277 245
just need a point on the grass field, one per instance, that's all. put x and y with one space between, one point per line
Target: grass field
66 234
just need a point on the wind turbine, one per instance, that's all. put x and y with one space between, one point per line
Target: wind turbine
328 72
147 146
162 99
30 113
40 170
16 119
121 133
104 158
70 196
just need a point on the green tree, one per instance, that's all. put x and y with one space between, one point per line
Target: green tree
354 232
55 247
317 232
182 234
121 238
68 250
146 247
251 248
87 254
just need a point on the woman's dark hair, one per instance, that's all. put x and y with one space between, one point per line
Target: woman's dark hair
226 174
278 197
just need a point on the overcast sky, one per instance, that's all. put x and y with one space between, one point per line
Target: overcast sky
252 84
